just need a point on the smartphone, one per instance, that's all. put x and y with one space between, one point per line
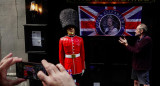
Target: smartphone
29 70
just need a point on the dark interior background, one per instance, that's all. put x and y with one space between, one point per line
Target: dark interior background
107 61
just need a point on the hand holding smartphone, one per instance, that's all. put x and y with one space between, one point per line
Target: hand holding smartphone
29 70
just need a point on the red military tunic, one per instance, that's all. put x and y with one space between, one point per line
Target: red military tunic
69 46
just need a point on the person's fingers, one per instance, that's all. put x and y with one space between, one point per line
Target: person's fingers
17 81
15 60
125 39
121 38
8 56
43 77
6 64
44 84
53 67
60 67
47 65
5 58
120 41
10 61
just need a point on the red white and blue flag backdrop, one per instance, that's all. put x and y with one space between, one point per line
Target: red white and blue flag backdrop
93 19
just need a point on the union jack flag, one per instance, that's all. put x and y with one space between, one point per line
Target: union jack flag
93 20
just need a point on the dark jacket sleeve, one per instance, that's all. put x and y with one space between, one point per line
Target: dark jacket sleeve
139 46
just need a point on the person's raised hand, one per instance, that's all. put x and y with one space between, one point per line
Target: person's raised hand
123 41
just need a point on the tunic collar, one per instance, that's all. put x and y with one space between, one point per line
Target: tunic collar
71 35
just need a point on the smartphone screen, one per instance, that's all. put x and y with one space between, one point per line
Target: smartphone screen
29 70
